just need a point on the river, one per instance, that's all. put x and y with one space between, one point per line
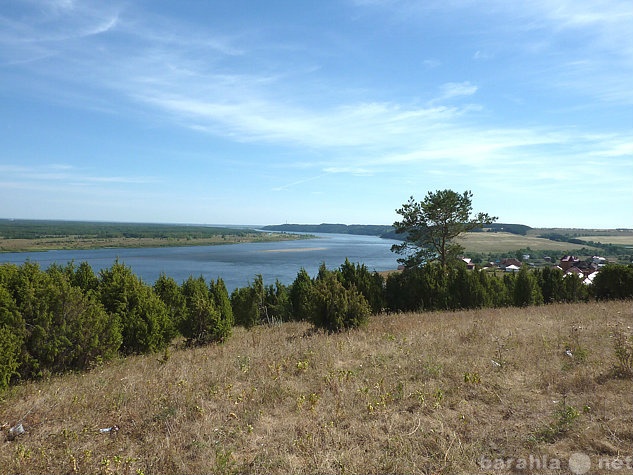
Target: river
236 264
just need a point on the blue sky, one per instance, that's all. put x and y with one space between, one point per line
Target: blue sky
265 112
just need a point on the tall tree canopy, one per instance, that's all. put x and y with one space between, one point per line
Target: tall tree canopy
431 225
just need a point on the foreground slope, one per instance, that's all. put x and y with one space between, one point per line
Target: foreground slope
460 392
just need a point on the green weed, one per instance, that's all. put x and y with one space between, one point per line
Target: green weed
472 378
565 416
224 462
623 347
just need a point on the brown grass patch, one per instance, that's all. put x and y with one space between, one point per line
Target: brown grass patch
410 393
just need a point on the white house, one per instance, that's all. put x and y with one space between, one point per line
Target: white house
589 279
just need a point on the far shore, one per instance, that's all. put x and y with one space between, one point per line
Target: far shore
85 243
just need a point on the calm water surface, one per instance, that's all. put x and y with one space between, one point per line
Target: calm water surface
237 264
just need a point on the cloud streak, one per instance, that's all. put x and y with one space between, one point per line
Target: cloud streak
452 90
65 175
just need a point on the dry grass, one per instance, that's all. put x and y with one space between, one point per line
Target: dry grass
411 393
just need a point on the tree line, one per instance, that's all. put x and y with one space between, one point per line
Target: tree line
68 318
34 229
358 229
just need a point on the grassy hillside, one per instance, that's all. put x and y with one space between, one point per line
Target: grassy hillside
410 393
621 240
506 242
603 234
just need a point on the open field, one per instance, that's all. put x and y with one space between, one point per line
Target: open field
622 240
484 242
622 237
580 232
458 392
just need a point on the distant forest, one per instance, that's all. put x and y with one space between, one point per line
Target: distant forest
359 229
383 231
35 229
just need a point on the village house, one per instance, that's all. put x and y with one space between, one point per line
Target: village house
585 270
567 262
510 261
589 279
470 265
575 271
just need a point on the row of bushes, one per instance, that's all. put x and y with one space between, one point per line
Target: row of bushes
426 288
432 288
333 300
68 318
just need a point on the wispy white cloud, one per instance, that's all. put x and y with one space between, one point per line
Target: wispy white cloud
431 63
65 175
474 147
102 27
574 14
351 170
54 29
297 183
452 90
364 125
615 146
483 55
63 5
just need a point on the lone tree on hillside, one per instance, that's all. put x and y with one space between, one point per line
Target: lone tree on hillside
431 225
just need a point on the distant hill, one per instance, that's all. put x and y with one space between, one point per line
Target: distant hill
361 229
520 229
383 231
